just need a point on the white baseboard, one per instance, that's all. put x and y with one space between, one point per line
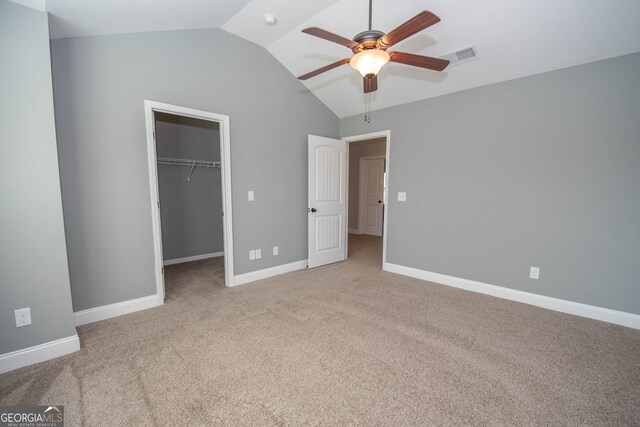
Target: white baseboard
241 279
354 231
38 353
629 320
192 258
118 309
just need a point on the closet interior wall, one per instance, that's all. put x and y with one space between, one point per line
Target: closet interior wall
190 203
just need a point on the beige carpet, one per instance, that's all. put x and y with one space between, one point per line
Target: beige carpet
344 344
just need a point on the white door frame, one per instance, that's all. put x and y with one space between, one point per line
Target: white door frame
348 139
361 193
151 107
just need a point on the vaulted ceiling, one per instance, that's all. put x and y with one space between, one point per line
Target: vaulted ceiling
513 38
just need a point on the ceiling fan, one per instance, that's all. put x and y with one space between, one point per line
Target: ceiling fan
370 49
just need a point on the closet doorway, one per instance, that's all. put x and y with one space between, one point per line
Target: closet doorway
189 170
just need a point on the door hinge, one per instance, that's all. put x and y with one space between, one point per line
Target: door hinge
158 202
162 269
154 135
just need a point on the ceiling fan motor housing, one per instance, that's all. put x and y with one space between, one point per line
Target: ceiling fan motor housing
367 40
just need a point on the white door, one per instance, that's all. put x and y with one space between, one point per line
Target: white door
327 203
371 196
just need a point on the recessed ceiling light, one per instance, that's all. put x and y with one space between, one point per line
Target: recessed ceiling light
270 19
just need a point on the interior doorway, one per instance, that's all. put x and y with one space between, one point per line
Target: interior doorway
329 187
367 194
189 170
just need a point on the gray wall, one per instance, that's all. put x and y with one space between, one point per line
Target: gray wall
33 255
357 150
191 210
100 84
539 171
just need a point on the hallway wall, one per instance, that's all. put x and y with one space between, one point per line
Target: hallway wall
357 150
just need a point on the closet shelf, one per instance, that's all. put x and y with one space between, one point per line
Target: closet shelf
188 162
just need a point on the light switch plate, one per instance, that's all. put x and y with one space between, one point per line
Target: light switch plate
251 197
402 196
252 255
275 251
258 253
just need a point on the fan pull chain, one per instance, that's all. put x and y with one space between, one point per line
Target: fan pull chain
367 108
366 95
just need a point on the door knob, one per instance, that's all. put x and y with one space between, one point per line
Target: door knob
313 210
379 201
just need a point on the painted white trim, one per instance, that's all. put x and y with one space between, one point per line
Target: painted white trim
117 309
227 219
38 353
252 276
629 320
387 134
155 197
150 107
354 231
193 258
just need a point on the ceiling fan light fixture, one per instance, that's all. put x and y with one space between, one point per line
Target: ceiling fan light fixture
369 48
369 61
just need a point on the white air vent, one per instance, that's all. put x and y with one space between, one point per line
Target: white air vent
462 55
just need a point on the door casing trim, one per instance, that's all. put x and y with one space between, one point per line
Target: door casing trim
362 137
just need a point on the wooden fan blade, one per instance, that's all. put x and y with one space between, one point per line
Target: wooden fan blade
428 62
323 34
370 84
416 24
323 69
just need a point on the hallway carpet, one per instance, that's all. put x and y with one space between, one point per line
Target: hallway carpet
345 344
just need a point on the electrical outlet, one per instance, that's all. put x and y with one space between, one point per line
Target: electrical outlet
534 273
402 196
258 253
275 251
23 317
252 255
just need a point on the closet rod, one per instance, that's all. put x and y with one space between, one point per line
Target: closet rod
188 162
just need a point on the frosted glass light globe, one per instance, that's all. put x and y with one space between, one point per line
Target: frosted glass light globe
369 61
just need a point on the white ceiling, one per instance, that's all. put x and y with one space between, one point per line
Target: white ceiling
514 38
74 18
